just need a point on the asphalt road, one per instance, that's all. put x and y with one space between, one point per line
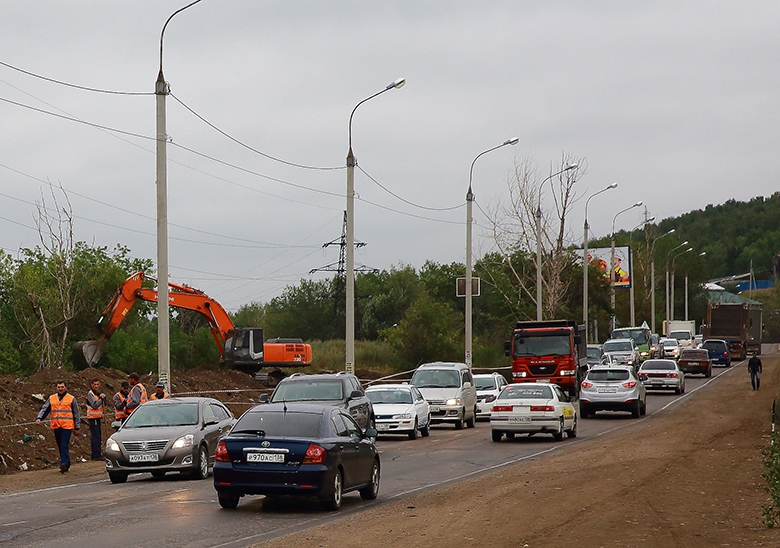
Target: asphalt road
145 511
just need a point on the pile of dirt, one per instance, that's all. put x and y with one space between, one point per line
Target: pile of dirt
27 446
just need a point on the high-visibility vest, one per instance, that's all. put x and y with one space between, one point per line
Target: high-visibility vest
62 412
94 413
144 398
120 413
154 396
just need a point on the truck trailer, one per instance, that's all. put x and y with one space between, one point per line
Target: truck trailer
729 322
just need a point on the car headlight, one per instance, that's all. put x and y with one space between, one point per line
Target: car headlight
184 441
453 401
490 398
111 445
644 354
403 416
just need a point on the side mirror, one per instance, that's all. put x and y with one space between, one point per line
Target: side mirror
577 339
371 433
263 398
209 422
356 394
116 424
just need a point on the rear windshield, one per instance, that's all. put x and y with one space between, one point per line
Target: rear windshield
714 345
608 375
694 354
657 364
519 391
309 391
280 424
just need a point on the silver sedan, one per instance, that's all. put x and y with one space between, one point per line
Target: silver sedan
662 375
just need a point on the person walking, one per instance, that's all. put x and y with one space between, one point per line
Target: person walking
120 400
159 393
137 394
754 366
65 420
96 402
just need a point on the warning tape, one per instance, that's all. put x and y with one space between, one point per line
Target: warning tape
22 424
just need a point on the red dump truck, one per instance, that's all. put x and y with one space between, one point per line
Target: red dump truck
551 351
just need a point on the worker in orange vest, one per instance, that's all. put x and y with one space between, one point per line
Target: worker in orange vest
65 420
96 401
137 394
159 393
120 400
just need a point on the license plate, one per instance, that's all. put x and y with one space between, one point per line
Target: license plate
434 408
524 420
542 380
656 381
145 457
265 457
382 427
607 390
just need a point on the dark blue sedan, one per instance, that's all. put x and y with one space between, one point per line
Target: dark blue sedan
294 449
718 350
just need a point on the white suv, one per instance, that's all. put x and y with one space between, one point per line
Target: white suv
488 387
449 390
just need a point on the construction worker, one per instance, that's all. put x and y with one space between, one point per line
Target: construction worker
137 394
65 420
159 392
96 401
120 400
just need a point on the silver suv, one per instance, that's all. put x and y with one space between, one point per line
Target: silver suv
612 388
450 392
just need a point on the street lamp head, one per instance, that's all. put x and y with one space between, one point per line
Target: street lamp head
397 84
512 141
650 220
685 242
613 185
702 254
637 204
571 166
671 231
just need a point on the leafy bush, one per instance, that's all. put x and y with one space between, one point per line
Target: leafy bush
771 458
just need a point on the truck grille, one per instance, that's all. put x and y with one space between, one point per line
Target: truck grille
543 370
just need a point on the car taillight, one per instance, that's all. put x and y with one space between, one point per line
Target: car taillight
586 384
673 375
315 454
542 408
726 353
499 408
221 454
629 384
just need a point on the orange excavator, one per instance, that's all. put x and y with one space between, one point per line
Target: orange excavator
239 347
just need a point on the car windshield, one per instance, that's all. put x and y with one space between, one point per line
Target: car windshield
389 396
680 335
436 378
640 336
608 375
149 416
485 383
280 424
525 392
542 345
670 343
657 365
309 390
594 353
617 346
714 345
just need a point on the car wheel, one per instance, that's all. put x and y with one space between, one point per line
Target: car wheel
117 477
558 436
227 500
636 409
202 470
333 502
371 491
573 432
157 474
728 363
708 374
458 424
682 389
426 430
584 411
677 390
496 435
643 408
413 433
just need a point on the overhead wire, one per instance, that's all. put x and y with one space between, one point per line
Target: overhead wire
404 200
76 86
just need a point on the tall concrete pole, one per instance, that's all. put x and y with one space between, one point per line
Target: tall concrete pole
586 262
163 318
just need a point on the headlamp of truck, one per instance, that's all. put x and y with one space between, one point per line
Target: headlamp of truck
568 372
519 374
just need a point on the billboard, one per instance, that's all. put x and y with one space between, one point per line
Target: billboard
599 257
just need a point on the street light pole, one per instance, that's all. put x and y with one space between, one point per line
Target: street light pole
667 310
652 280
539 242
161 90
469 220
586 262
643 224
702 254
349 365
612 263
671 302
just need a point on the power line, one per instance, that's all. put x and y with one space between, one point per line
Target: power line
85 88
405 200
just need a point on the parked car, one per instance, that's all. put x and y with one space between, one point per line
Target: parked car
170 435
298 450
342 389
670 348
662 375
695 360
595 353
488 387
400 409
623 351
718 350
448 388
612 388
529 408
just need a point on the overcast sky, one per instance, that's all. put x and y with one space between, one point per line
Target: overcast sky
675 101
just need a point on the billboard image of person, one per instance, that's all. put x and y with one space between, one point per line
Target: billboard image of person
621 272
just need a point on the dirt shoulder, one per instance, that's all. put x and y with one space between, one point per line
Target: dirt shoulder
689 476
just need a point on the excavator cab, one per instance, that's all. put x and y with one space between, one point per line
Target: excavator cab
244 348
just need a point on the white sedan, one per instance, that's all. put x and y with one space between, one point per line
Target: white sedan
400 409
528 408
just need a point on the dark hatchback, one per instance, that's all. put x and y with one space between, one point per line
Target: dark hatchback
718 350
298 450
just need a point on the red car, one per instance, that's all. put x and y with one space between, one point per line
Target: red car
694 360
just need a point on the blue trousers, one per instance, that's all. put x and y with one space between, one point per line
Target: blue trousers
755 379
62 436
96 443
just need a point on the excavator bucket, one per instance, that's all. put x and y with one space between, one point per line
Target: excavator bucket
88 353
